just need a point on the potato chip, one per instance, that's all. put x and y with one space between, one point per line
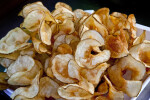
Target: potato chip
141 52
61 10
67 26
6 62
23 63
93 24
60 68
30 91
132 20
26 77
14 40
61 4
60 40
74 70
71 37
33 20
20 97
92 34
45 33
127 86
117 45
79 13
48 88
62 16
140 39
64 49
94 75
103 88
83 55
73 91
29 51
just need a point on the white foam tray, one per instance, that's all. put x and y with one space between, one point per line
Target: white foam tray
140 29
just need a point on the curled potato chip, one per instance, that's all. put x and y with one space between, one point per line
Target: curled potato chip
117 45
103 88
71 37
73 91
130 87
45 33
23 63
94 75
132 20
60 68
64 49
61 10
14 40
25 78
38 46
113 94
61 4
60 40
48 88
92 34
140 39
141 52
74 70
93 24
30 91
62 16
33 20
67 26
103 13
79 13
6 62
83 55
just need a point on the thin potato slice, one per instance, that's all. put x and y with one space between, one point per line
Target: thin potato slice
94 75
67 26
79 13
113 94
33 20
23 63
64 49
45 33
71 37
61 4
117 45
103 88
141 52
13 56
25 78
127 86
60 68
14 40
30 91
83 55
73 91
48 88
92 34
29 51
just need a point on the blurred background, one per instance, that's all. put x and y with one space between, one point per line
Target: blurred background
9 10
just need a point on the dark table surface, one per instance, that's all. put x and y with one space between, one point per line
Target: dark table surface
9 10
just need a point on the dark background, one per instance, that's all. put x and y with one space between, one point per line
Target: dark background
9 10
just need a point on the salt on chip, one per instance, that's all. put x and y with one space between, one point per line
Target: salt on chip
23 63
60 68
14 40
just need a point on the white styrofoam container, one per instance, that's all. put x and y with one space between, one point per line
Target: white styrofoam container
140 29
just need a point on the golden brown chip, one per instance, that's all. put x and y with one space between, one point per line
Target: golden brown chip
61 4
6 62
64 49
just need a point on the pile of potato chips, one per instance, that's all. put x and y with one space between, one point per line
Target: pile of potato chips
75 55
